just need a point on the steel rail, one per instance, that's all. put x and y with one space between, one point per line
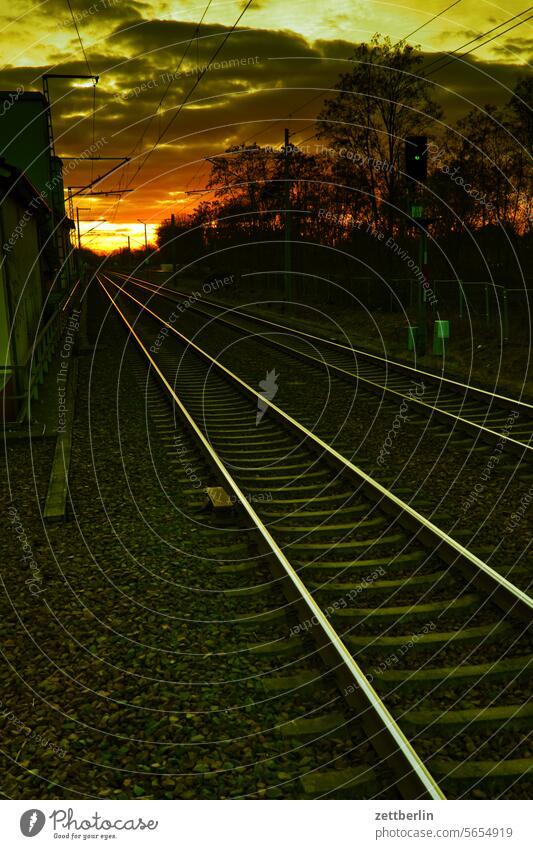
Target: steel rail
510 597
348 349
417 774
487 433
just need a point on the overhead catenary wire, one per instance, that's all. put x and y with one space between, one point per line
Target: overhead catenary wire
167 89
156 112
426 23
200 75
321 93
192 89
273 123
90 72
79 39
436 61
454 57
94 124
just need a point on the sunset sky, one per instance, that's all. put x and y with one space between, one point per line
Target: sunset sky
279 56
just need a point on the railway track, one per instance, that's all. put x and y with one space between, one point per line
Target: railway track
487 416
468 482
421 629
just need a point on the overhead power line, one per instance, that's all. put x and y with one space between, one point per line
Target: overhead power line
79 38
321 93
155 112
187 48
191 90
453 55
434 18
139 141
197 82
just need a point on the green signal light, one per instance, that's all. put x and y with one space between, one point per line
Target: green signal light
417 157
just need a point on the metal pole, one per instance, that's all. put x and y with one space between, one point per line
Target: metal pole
78 223
145 239
288 281
422 306
173 223
70 204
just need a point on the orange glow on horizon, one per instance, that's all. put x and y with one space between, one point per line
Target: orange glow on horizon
106 236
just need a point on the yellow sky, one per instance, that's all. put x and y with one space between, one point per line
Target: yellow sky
126 50
351 20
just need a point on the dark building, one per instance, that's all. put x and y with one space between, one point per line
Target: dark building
35 247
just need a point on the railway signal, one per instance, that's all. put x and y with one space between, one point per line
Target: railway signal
416 158
416 169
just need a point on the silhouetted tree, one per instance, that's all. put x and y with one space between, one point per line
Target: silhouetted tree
521 105
380 101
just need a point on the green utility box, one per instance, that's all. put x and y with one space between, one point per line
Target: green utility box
412 337
440 335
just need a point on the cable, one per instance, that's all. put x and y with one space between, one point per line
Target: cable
79 39
94 121
314 136
198 80
90 230
321 94
434 18
454 51
123 176
174 76
307 126
453 58
476 47
482 35
90 72
193 88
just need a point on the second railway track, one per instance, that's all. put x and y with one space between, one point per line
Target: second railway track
481 413
467 478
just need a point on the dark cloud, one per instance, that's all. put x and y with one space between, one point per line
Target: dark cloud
165 38
252 85
338 49
92 12
465 84
510 47
464 36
